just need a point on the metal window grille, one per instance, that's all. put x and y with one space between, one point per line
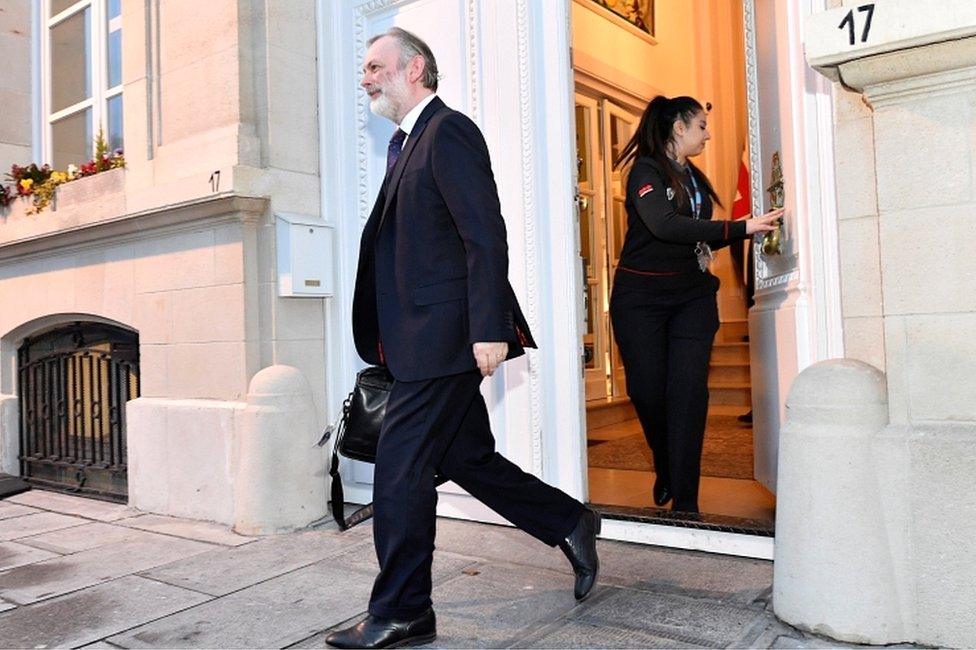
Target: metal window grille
73 384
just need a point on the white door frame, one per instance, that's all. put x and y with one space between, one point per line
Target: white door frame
539 38
807 108
796 320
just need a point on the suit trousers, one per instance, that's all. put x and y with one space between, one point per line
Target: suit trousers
665 342
441 426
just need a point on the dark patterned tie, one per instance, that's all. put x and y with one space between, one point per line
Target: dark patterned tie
393 151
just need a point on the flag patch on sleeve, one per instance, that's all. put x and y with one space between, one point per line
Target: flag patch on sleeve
644 189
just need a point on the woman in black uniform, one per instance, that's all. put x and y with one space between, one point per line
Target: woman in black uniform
663 306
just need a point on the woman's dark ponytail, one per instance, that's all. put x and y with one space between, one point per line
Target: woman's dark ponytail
653 135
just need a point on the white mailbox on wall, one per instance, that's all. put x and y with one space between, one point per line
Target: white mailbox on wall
305 255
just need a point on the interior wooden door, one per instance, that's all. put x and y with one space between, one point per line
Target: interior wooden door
591 192
619 126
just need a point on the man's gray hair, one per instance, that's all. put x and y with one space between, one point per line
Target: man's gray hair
412 45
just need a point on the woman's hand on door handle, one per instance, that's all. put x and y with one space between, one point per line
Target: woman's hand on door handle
765 223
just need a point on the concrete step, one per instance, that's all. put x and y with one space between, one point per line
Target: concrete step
734 393
728 372
735 352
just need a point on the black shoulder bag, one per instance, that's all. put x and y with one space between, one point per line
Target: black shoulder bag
357 434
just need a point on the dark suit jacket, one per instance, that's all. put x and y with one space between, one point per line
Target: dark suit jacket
433 259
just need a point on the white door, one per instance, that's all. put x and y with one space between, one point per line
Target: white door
506 65
796 318
619 126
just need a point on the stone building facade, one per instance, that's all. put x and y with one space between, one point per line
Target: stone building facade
220 133
893 563
243 131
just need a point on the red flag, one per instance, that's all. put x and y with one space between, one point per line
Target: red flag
742 205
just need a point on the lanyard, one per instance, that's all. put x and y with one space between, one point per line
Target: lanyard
696 198
702 250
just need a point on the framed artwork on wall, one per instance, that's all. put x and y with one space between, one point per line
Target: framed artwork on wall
639 13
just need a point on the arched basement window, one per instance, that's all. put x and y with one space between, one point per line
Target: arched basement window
73 384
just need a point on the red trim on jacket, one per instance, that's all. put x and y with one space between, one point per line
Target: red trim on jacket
636 272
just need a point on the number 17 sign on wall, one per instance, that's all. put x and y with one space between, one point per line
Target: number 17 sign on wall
849 22
869 28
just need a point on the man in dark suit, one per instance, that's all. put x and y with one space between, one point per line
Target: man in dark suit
433 303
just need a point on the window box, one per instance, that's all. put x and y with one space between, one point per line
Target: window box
89 188
77 204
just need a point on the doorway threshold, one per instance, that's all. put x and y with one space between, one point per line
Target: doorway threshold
698 532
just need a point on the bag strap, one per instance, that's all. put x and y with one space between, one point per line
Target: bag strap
338 496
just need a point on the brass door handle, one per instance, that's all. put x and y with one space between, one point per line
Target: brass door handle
772 242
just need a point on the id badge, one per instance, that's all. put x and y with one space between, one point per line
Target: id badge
705 255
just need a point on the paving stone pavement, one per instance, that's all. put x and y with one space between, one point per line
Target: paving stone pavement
81 573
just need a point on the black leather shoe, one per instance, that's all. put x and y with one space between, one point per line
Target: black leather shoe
580 548
376 632
662 492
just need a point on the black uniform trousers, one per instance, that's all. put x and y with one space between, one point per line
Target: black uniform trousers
441 426
665 342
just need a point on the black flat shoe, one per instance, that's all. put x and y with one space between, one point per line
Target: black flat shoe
376 632
580 548
662 492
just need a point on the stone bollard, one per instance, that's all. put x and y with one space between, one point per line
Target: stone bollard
9 435
834 572
280 478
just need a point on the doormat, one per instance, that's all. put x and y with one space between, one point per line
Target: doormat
11 485
727 451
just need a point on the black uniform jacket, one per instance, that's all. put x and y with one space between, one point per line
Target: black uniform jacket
433 259
659 248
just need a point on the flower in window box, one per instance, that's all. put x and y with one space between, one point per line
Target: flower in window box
36 175
73 171
44 193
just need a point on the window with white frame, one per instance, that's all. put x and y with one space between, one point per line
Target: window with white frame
81 53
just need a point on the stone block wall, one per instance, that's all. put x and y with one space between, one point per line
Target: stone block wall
906 192
15 83
227 86
857 212
926 205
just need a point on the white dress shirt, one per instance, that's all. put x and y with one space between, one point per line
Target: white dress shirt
410 119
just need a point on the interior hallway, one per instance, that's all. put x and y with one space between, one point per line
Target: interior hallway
732 495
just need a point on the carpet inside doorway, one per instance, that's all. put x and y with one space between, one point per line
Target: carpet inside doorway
727 451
